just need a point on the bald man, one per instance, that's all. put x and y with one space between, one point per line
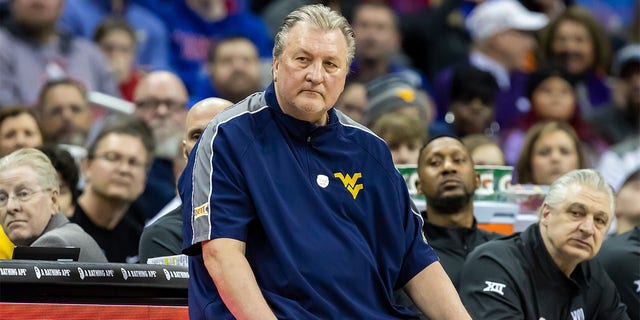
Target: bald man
164 236
161 101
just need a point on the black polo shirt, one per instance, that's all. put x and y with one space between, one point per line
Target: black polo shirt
515 278
120 244
453 244
620 256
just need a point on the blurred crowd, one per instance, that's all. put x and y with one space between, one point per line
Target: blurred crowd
545 86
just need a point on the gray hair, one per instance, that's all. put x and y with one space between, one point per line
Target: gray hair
39 163
584 177
321 17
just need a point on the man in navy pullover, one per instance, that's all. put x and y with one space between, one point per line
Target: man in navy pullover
294 211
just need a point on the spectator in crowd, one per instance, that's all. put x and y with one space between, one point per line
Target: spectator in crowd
19 128
68 176
161 101
484 150
576 41
196 25
355 210
29 206
502 43
115 171
472 108
435 36
65 112
620 257
627 204
234 71
397 93
353 101
378 44
552 98
620 119
403 134
117 40
550 150
33 51
82 18
547 271
164 236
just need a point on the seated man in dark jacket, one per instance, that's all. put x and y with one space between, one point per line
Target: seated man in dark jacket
547 271
29 206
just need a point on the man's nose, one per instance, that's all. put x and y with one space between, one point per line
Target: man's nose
12 204
587 225
448 165
314 72
162 109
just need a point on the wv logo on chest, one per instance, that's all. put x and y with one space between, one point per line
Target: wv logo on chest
349 182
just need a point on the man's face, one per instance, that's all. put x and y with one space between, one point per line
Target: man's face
66 115
515 47
19 132
553 155
36 14
574 230
446 174
161 100
120 49
25 207
573 45
236 69
197 120
310 73
118 170
472 117
628 206
375 31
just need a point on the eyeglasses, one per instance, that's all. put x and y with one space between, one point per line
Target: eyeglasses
23 195
154 103
116 158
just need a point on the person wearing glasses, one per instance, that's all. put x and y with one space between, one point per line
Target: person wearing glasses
29 206
161 102
115 172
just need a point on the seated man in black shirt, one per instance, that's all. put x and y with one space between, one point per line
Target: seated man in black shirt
448 181
164 237
115 172
547 271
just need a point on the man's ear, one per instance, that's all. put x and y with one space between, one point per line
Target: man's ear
274 68
545 211
477 180
55 201
418 186
185 154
